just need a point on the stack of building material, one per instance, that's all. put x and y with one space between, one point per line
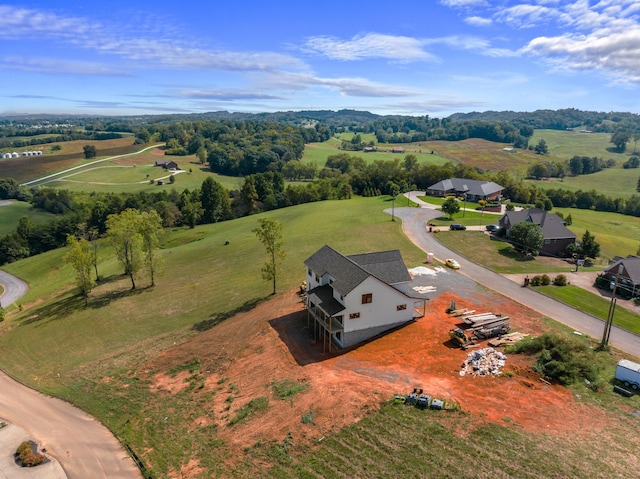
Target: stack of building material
510 338
483 362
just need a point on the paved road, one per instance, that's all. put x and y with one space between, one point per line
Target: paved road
14 288
413 225
84 447
54 176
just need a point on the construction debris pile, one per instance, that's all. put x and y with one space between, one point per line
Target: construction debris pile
483 362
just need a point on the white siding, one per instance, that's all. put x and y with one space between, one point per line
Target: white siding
381 311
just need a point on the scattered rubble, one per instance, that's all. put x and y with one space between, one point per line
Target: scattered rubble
483 362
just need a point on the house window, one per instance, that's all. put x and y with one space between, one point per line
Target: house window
546 241
401 307
309 271
354 315
317 278
367 298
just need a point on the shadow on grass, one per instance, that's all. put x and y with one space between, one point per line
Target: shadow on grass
76 302
220 317
509 252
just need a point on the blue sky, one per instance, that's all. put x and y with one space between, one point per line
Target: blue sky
410 58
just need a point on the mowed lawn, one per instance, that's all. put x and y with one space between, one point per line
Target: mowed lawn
614 182
317 153
10 215
567 144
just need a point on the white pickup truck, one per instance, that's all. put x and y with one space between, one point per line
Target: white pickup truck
628 373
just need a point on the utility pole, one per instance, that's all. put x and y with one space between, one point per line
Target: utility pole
612 309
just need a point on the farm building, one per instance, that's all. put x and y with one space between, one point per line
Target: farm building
397 149
354 298
556 235
475 189
629 278
7 155
167 164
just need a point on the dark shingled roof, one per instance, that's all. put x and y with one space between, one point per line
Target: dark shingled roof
553 227
326 300
349 271
631 265
473 187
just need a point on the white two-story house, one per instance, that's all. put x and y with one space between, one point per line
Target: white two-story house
354 298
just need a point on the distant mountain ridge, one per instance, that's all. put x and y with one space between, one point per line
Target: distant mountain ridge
355 119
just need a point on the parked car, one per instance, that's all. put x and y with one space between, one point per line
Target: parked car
457 226
493 227
452 263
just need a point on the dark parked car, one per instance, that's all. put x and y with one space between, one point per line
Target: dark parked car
457 226
492 227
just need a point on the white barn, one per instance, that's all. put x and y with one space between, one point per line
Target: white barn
354 298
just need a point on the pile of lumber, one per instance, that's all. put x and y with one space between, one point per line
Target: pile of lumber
505 339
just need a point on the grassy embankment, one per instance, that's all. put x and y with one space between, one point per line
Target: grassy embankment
11 214
87 356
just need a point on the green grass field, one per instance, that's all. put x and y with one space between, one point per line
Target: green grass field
63 348
567 144
318 153
11 214
614 182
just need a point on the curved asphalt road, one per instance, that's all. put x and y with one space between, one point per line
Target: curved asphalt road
414 226
84 447
14 288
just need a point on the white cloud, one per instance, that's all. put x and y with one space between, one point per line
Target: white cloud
360 87
60 67
478 21
142 47
617 55
226 95
463 3
370 45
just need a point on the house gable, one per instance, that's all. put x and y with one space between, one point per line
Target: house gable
353 298
475 189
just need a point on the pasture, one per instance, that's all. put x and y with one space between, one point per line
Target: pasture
317 153
567 144
11 213
614 182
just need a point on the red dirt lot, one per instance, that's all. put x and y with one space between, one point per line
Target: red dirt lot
244 355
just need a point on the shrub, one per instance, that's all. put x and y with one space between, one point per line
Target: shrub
27 456
536 280
545 280
560 280
561 358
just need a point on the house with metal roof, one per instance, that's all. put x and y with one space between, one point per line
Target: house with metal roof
355 298
475 190
629 276
556 235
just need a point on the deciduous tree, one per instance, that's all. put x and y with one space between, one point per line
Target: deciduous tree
89 151
149 225
526 237
450 207
80 257
269 232
123 231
